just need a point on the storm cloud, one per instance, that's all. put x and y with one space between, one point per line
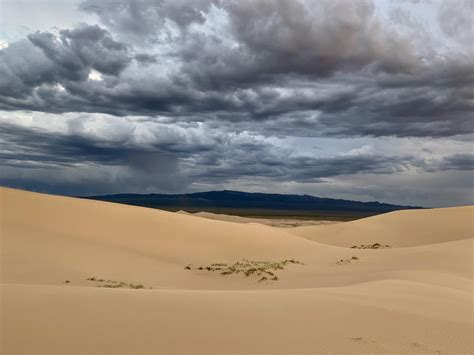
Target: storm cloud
201 158
250 61
208 92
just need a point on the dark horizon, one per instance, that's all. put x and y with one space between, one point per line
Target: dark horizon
92 196
87 196
242 192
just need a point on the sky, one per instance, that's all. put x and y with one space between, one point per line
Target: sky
364 100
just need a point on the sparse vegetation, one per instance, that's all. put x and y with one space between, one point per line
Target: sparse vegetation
263 269
111 285
371 246
347 261
115 284
96 279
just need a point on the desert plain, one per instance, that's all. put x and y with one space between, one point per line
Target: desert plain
89 277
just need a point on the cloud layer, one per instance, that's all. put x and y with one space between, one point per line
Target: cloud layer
210 91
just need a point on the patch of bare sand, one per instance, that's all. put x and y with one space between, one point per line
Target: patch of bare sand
400 300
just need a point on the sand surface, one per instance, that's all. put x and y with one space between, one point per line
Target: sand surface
399 228
272 222
415 297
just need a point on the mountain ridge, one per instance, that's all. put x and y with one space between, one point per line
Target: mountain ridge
248 200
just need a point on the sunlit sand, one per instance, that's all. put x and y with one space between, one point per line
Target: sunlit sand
88 277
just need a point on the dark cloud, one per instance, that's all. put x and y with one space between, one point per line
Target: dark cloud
212 80
39 147
146 59
171 155
73 163
75 52
23 67
312 39
33 68
323 68
458 162
297 169
143 21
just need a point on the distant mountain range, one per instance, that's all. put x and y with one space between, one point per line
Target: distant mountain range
213 201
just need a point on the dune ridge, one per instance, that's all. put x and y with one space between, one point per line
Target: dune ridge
415 297
398 229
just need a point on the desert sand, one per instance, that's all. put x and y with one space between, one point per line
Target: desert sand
398 229
272 222
415 296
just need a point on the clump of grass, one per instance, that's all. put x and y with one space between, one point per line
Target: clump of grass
263 269
115 284
347 261
95 279
371 246
110 285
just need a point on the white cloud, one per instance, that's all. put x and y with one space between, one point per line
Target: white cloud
95 76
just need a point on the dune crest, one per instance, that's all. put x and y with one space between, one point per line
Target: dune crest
397 229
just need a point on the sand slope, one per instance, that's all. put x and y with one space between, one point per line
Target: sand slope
398 229
416 299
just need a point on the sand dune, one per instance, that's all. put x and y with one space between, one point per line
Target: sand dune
416 299
398 229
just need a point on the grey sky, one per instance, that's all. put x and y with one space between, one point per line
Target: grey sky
368 100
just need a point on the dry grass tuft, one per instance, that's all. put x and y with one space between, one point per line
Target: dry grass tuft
347 261
115 284
371 246
263 269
